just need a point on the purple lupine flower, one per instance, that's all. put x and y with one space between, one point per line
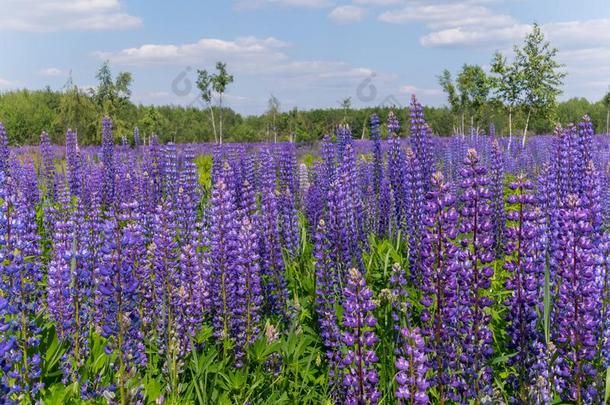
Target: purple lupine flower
591 200
525 265
20 277
4 151
377 154
585 139
47 165
73 163
272 262
360 377
163 254
289 222
169 170
249 292
496 188
393 125
440 286
411 369
188 198
415 192
326 295
118 295
396 165
344 138
477 242
222 256
288 170
304 182
603 270
107 160
576 312
420 139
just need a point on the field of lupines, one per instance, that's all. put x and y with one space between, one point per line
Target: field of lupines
413 271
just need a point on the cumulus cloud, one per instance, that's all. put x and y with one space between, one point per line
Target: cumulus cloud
419 91
265 57
347 14
256 4
59 15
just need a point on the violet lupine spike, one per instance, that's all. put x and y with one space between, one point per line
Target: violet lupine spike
525 266
188 198
47 165
477 242
304 182
118 293
289 222
360 376
248 296
497 196
221 259
415 192
288 170
603 269
377 153
420 139
272 262
326 296
59 277
20 276
344 138
591 195
173 327
393 125
396 168
169 168
411 366
576 312
585 139
440 271
107 160
73 163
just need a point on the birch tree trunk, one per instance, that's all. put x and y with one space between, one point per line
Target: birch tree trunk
527 121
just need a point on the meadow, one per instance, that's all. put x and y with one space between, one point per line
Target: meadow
405 270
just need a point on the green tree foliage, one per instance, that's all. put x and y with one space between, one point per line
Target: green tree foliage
507 83
542 78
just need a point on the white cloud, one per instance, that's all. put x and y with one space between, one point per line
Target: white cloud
51 72
263 57
59 15
347 14
256 4
378 2
410 89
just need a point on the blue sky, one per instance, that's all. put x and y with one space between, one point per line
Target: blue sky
308 53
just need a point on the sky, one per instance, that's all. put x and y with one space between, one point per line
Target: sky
307 53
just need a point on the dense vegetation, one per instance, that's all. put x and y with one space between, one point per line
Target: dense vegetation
26 113
418 270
